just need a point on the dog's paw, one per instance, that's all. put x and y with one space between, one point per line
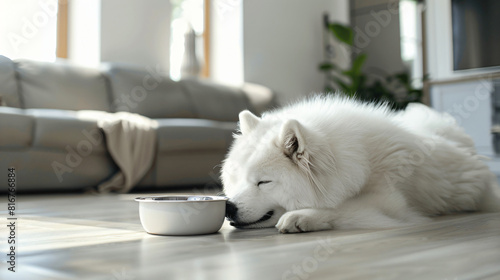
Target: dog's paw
301 221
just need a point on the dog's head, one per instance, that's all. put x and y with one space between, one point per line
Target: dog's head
275 165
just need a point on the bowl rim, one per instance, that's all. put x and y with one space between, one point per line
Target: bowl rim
157 199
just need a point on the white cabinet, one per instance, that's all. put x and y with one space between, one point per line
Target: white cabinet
470 102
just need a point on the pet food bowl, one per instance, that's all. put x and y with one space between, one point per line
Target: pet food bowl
182 214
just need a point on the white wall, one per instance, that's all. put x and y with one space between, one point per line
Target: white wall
377 33
136 32
282 43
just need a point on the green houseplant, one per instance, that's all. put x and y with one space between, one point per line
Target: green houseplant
395 89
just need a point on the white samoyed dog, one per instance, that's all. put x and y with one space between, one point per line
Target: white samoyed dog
335 163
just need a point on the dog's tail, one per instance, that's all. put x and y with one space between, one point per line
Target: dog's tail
491 196
423 120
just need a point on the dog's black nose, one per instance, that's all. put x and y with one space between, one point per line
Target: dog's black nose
231 210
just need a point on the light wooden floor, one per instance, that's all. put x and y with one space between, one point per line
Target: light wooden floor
100 237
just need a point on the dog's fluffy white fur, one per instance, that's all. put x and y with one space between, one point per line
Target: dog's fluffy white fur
332 162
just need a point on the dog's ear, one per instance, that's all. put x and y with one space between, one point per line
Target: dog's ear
248 121
292 139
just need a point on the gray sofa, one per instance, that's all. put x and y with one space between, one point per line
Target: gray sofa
40 128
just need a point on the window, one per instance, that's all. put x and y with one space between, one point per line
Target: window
28 29
410 21
189 38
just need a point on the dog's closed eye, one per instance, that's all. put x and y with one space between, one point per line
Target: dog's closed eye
263 182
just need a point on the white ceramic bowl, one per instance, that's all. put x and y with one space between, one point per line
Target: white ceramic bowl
182 214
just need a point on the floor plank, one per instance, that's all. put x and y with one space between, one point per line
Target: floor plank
100 237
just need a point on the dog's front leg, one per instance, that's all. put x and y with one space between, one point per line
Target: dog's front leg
367 212
303 220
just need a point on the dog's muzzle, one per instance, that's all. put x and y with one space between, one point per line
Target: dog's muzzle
231 210
232 215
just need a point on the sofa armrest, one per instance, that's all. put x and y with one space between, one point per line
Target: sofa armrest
9 94
260 97
16 128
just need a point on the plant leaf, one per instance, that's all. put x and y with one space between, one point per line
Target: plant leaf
403 77
349 74
357 64
326 66
345 88
342 32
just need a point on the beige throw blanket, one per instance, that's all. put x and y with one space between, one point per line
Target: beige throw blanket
131 141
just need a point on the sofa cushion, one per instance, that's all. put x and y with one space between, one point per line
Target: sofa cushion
215 101
15 128
8 86
181 135
189 168
42 169
148 92
61 86
66 130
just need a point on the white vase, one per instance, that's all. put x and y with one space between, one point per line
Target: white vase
190 63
